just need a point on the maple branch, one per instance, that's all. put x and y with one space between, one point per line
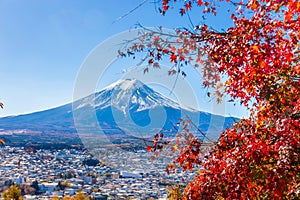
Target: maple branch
237 4
157 32
129 12
198 129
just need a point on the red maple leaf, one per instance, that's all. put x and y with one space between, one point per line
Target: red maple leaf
188 6
149 148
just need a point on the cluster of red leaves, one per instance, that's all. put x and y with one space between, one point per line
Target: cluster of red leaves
251 162
259 157
186 148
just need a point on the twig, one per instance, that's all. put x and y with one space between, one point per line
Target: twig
198 129
129 12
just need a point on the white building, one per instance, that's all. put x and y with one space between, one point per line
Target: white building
125 174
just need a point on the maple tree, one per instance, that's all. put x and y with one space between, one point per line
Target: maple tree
259 157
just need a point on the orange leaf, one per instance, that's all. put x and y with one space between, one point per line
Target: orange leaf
149 148
255 48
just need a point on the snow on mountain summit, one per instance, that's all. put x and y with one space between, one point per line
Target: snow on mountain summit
127 84
124 84
127 94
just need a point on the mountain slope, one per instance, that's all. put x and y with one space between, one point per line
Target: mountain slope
125 107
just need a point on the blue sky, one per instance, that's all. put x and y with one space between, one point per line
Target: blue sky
44 43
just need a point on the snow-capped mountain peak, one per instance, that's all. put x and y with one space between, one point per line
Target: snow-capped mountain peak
124 84
128 83
127 94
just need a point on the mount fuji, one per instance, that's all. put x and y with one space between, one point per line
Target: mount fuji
125 107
